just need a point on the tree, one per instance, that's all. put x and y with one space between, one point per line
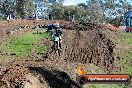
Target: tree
30 8
57 11
7 7
104 10
93 11
69 11
83 5
80 13
20 7
45 7
25 8
115 21
119 10
55 1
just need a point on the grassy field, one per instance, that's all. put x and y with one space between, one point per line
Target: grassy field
22 45
126 53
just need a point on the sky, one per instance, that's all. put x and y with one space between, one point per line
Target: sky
73 2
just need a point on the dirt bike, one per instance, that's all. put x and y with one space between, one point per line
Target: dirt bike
56 47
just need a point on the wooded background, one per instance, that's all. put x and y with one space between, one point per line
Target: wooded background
108 11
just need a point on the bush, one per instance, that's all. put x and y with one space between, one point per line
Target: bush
1 17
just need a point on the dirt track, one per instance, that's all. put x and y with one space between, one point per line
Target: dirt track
89 43
83 43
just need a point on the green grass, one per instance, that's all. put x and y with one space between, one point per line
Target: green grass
107 86
126 38
24 44
126 54
40 49
94 69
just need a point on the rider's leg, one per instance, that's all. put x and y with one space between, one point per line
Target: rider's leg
54 44
57 44
60 44
60 40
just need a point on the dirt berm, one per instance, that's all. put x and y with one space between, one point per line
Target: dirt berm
82 43
89 43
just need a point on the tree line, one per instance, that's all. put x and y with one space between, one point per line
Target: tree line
18 8
92 10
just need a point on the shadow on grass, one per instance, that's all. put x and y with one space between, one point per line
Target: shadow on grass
56 78
38 32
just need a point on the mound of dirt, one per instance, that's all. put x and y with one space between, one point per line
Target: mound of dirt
35 74
89 43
